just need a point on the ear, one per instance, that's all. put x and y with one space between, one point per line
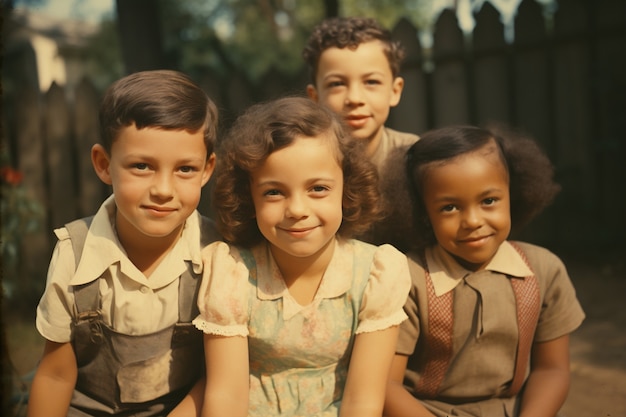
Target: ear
396 91
101 162
312 92
209 167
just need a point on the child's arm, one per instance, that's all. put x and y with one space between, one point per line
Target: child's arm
548 383
364 394
54 381
191 405
398 401
227 380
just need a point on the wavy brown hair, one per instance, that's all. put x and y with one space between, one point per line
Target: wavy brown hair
159 99
350 32
531 174
267 127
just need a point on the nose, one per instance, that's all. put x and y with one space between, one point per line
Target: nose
296 207
354 95
472 218
162 186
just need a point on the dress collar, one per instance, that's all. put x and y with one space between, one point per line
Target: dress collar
335 282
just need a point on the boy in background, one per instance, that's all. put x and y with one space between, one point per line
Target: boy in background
122 285
354 66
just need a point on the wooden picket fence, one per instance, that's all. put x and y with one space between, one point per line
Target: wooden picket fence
564 85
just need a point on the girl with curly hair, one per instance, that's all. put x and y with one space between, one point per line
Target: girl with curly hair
298 317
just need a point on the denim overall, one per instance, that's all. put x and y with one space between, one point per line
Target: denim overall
126 375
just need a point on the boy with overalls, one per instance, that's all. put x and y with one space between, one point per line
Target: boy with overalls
122 285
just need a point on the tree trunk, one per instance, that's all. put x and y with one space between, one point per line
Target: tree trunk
331 7
139 27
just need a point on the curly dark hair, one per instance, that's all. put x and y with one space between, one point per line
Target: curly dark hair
267 127
350 32
531 174
163 99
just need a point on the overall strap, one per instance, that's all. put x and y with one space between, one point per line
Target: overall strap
528 300
188 287
86 295
438 340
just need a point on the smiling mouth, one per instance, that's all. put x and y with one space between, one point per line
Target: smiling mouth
159 211
298 232
356 122
475 240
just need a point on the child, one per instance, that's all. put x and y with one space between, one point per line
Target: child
355 67
117 309
316 313
489 318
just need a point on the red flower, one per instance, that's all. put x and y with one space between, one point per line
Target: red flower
11 176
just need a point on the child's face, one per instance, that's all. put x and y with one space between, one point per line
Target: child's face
156 176
297 195
359 85
467 201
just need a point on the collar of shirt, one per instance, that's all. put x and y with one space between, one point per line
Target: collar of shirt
446 273
103 249
336 280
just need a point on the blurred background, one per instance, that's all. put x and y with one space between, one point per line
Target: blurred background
555 70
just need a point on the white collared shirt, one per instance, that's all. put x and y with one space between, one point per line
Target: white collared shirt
131 303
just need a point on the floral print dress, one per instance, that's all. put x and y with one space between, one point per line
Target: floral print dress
299 355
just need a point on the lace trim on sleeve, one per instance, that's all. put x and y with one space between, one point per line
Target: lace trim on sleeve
382 324
215 329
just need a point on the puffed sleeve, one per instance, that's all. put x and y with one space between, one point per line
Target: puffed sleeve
386 291
55 310
410 329
223 296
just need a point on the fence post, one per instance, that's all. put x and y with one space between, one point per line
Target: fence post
91 191
35 247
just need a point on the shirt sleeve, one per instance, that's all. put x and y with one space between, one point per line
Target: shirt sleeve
223 296
410 329
386 291
56 307
561 312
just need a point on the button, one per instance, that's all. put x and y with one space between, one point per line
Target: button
145 289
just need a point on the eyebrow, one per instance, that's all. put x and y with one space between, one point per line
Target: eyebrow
452 198
311 181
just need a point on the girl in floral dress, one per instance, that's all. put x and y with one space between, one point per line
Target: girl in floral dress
299 319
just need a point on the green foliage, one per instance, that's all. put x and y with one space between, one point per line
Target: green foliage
237 35
102 56
251 36
247 37
21 214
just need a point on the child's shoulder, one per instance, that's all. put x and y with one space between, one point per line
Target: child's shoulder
208 230
534 252
399 139
542 260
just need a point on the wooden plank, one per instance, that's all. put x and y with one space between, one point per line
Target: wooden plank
60 151
36 247
534 100
572 112
492 62
91 191
411 114
450 98
608 60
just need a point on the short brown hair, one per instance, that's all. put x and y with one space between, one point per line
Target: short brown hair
163 99
267 127
350 32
